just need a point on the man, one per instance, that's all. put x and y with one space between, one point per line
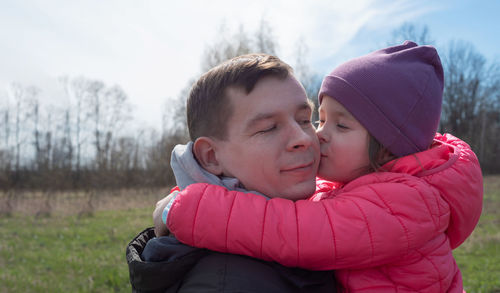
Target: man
249 122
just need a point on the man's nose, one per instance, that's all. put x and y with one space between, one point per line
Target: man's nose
299 138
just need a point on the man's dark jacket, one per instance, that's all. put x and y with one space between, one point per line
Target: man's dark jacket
180 268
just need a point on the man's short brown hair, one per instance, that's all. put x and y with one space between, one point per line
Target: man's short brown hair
208 106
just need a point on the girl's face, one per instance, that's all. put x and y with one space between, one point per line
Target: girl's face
343 142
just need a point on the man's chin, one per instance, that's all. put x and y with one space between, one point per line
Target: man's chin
302 190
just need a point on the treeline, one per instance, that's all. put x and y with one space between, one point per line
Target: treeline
471 102
84 144
90 142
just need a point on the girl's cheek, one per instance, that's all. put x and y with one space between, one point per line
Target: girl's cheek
326 160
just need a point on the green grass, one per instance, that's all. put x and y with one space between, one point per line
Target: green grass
68 254
479 256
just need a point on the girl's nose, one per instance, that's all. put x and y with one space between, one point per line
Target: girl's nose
320 132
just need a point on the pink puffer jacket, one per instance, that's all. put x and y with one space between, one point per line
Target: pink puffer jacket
383 232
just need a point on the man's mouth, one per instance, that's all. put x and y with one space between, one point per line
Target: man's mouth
300 168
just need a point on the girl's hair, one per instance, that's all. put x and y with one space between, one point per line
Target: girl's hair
378 155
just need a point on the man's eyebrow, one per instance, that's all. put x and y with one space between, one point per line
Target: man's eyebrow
264 116
259 117
306 105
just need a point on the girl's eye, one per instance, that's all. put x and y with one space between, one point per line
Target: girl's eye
305 122
342 126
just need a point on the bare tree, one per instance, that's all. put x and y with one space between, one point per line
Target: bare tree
77 93
94 121
94 90
411 32
231 44
265 39
303 72
18 96
5 129
23 98
42 140
66 143
174 123
471 98
5 151
226 46
109 112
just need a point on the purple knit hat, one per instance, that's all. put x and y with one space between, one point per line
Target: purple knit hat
395 93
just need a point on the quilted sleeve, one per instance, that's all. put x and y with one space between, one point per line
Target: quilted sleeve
462 187
362 227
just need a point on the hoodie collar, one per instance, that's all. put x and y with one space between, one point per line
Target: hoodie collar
187 171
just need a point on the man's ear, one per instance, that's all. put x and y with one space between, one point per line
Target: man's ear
204 150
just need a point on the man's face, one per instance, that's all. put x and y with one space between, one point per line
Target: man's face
271 146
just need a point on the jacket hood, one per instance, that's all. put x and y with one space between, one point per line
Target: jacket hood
157 276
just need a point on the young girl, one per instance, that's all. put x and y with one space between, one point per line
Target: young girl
398 197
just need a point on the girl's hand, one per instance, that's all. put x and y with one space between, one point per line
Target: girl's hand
160 227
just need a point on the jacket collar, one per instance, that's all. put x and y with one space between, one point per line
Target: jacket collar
438 157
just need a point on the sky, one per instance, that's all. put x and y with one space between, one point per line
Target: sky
153 48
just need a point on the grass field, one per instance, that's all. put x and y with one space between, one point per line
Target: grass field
68 253
479 256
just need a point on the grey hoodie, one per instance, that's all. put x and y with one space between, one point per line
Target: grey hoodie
187 171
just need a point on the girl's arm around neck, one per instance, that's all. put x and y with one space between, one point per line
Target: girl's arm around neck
366 226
